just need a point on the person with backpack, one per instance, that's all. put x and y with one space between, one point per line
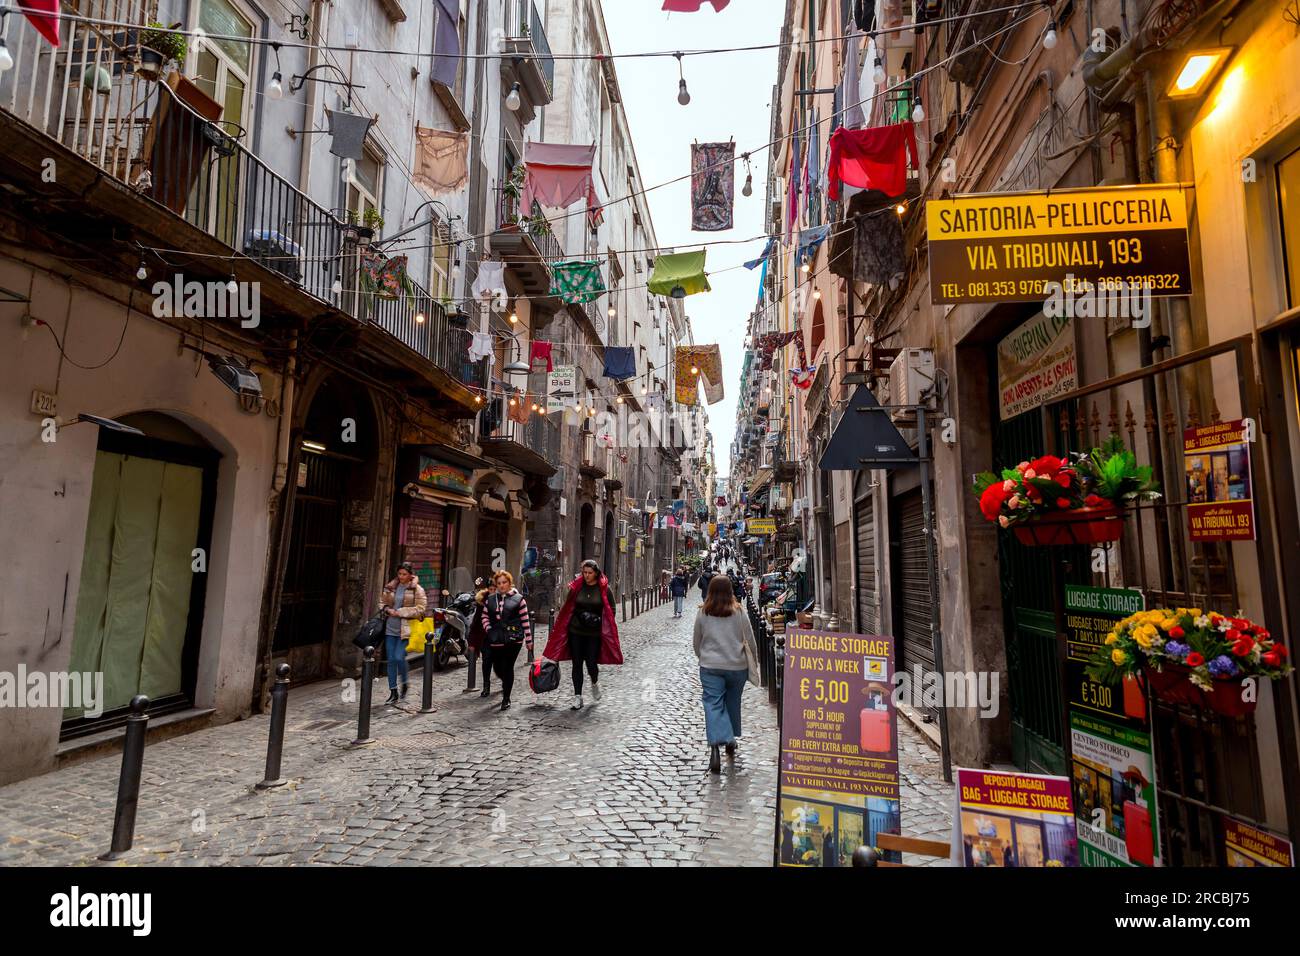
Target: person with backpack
403 601
506 628
706 575
678 587
585 630
724 644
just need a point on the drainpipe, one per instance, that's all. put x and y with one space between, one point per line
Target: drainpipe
288 381
318 33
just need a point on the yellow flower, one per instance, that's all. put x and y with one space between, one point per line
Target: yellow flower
1112 637
1144 639
1118 656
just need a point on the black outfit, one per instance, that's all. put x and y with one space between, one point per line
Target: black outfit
705 578
584 633
506 626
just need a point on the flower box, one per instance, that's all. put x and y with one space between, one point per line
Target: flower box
1077 526
1173 685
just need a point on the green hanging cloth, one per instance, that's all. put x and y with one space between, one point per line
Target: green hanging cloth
577 282
680 271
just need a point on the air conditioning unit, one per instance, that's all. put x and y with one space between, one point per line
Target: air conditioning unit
910 374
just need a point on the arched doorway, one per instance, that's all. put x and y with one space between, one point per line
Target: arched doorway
335 478
586 532
492 538
139 614
608 559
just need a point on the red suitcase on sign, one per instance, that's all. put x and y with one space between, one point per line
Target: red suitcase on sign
875 731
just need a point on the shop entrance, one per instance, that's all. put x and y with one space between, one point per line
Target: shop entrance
335 466
140 603
911 586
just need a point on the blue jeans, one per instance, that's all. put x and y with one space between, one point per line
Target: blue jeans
395 651
677 605
722 690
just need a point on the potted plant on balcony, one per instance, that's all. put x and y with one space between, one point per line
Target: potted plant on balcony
373 221
156 47
1079 499
1189 656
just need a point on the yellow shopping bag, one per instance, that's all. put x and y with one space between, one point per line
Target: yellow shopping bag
421 628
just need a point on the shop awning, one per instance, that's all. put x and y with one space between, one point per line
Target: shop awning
453 456
865 438
436 496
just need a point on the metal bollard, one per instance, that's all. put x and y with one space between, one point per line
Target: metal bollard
363 714
128 783
622 600
426 695
275 745
472 677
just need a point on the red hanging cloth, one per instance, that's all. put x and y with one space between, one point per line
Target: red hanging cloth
872 158
693 6
44 16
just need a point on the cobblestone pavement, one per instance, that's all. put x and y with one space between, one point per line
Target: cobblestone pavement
622 782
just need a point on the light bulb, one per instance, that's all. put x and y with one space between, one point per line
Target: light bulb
514 317
273 89
534 406
233 285
900 209
695 370
612 312
6 58
644 390
142 273
817 293
512 99
512 403
748 189
419 318
478 399
337 287
806 267
619 399
1049 38
918 113
683 94
879 73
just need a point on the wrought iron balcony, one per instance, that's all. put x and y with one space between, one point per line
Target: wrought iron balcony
595 456
526 243
163 135
531 446
526 57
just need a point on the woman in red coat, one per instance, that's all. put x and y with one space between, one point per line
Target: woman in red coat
585 631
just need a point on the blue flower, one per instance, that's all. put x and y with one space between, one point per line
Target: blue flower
1222 666
1177 649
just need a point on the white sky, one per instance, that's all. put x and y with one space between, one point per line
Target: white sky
730 99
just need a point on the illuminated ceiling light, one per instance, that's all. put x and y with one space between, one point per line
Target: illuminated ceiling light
312 446
1198 70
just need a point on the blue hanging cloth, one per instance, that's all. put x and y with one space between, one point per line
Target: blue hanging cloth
620 362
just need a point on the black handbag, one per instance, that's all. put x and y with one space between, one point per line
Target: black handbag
543 676
372 632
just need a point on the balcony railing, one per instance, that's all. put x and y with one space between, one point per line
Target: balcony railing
536 226
532 446
595 456
526 37
163 135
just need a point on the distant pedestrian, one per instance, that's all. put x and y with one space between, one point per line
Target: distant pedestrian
706 575
506 627
724 643
585 630
403 601
678 587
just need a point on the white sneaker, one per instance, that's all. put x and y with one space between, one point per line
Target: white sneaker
577 702
595 691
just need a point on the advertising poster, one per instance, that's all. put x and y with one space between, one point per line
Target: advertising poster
1216 459
561 388
761 525
438 474
1012 819
1113 775
838 787
1009 247
1247 846
1036 363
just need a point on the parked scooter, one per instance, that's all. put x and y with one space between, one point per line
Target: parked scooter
452 638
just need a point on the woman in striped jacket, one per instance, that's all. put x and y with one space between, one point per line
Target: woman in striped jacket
506 627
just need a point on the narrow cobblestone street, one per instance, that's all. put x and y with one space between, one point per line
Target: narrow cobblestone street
621 782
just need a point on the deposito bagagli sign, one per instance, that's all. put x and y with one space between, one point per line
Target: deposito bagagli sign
1014 247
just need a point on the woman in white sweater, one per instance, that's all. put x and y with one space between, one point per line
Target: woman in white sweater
724 643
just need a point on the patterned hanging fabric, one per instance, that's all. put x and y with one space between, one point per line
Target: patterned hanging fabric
769 343
713 186
383 277
577 282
